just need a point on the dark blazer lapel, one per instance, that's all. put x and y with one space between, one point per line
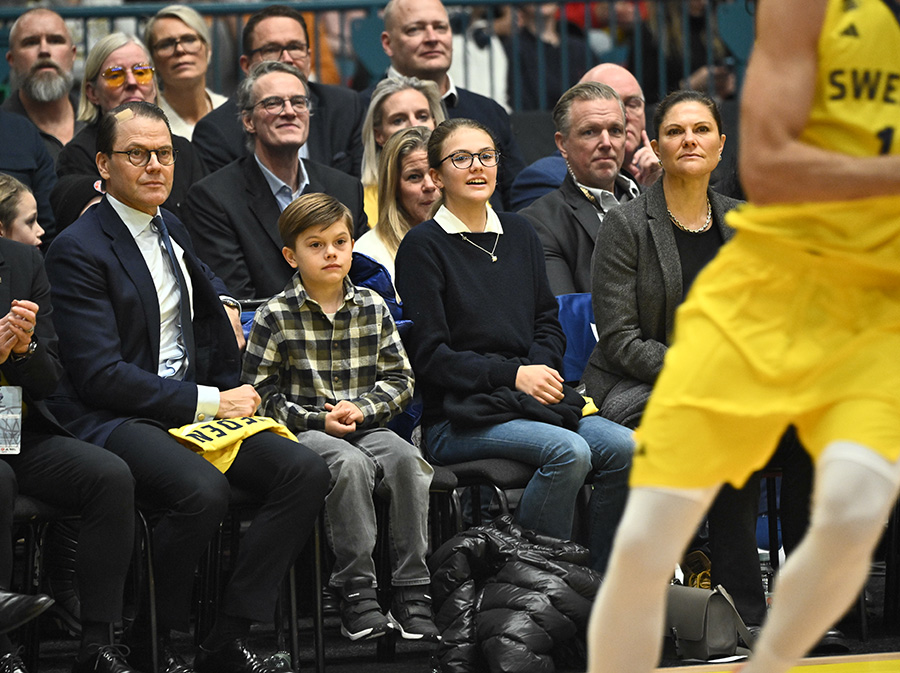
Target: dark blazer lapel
135 267
666 249
585 212
260 200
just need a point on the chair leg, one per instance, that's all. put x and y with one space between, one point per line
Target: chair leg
146 535
319 610
32 578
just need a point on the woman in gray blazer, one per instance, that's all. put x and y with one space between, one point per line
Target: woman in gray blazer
648 253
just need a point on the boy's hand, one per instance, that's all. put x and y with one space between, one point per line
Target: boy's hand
342 418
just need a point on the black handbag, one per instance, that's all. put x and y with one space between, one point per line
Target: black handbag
705 624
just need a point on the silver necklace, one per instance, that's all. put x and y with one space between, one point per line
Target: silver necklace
484 250
705 227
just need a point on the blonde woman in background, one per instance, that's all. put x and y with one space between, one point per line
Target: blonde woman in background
406 194
396 104
179 42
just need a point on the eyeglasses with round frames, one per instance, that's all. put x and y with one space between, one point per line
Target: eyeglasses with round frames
273 51
464 160
115 75
275 105
190 44
140 157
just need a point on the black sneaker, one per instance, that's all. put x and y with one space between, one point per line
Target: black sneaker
411 614
361 615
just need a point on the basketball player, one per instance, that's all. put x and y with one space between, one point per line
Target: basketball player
796 321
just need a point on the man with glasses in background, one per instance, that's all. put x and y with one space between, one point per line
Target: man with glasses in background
279 33
147 342
233 214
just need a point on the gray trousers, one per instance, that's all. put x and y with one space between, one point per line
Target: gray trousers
363 464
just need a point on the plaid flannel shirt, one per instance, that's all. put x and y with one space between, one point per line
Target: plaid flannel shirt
298 360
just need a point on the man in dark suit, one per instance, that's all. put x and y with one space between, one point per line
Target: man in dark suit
279 33
233 214
148 346
640 164
56 468
418 40
590 134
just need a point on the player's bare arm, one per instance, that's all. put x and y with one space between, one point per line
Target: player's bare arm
777 98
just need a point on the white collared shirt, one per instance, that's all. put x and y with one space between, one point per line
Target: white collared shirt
607 199
451 224
280 189
167 292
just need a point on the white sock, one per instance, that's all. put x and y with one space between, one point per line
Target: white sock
626 628
853 493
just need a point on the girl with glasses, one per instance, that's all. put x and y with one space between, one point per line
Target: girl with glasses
487 347
179 42
119 69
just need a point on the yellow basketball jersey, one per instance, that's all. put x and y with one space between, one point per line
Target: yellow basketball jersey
855 111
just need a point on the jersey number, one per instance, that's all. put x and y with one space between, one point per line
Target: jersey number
886 136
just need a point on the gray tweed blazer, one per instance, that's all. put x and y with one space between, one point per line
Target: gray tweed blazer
636 287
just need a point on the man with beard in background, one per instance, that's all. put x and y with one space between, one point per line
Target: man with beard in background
41 55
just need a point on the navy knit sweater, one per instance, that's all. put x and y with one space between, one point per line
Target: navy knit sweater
475 321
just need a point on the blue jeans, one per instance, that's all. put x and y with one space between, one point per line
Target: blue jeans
564 459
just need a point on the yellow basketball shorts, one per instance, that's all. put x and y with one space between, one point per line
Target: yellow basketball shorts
771 335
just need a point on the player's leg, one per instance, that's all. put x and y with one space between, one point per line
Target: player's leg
630 608
853 494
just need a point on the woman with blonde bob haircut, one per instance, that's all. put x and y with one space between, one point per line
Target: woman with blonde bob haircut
406 194
179 42
119 70
397 103
91 102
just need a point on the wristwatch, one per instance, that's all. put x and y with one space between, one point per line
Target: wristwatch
21 357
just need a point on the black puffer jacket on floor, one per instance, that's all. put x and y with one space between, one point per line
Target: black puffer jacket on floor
508 600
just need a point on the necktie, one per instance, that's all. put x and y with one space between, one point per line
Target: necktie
186 340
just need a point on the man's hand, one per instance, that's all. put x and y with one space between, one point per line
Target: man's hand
238 402
645 164
543 383
235 317
342 418
17 328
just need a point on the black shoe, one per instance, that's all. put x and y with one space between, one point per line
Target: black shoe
169 659
411 614
16 609
833 642
10 663
234 658
106 659
361 615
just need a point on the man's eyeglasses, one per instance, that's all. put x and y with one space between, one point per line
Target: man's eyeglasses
273 52
115 76
190 44
634 103
464 160
274 105
140 157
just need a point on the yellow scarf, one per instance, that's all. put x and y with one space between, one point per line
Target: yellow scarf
218 441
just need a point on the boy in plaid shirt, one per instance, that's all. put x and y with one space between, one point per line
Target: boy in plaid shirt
327 361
